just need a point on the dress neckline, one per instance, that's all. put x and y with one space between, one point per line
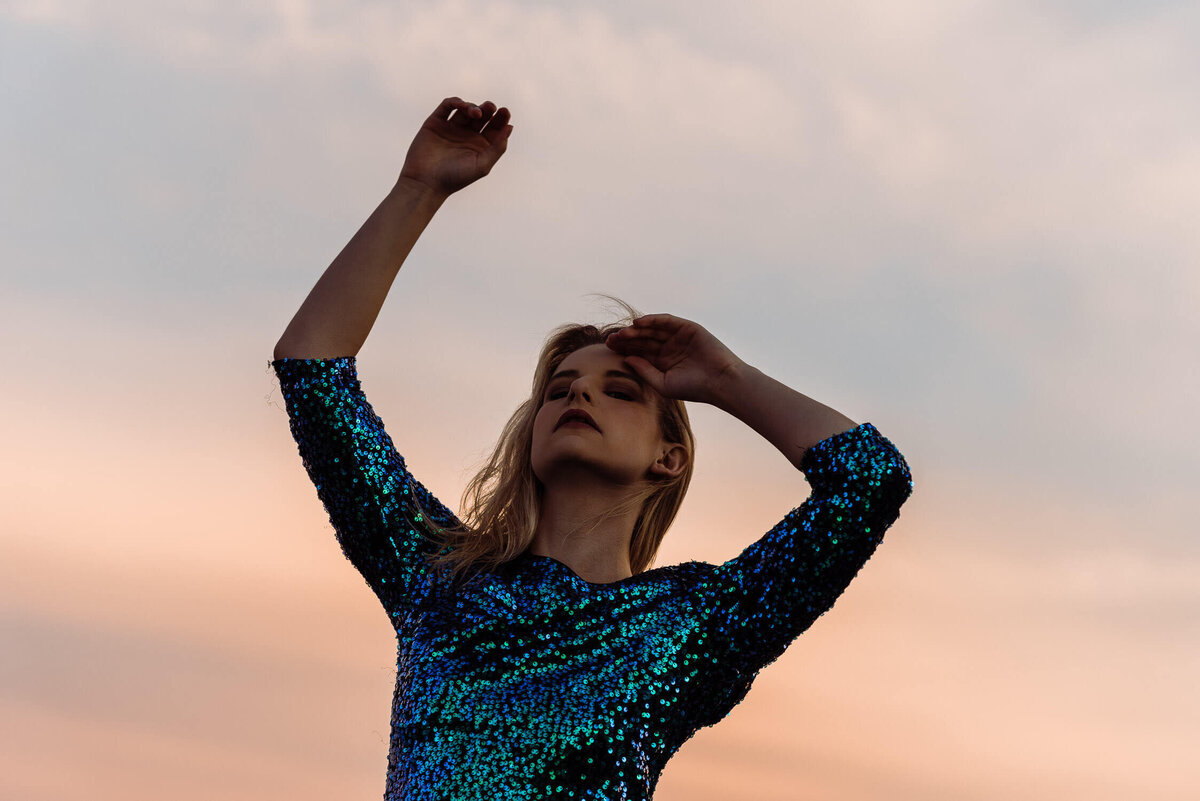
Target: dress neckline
569 571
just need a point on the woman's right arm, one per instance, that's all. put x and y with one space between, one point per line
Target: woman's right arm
361 479
446 155
338 313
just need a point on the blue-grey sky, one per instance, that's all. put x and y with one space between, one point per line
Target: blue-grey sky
971 224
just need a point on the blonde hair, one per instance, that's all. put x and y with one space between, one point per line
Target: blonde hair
503 501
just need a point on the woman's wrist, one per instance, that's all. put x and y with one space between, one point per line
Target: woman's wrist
410 187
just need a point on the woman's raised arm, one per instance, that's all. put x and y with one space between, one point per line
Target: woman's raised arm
446 155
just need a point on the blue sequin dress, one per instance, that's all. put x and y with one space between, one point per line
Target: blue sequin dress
529 682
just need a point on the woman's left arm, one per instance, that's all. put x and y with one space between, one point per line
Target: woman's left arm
791 422
753 606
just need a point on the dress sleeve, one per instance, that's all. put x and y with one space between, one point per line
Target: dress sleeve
360 478
753 606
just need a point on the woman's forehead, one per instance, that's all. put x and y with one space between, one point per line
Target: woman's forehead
600 356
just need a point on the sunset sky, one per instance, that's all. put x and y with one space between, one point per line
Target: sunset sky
972 224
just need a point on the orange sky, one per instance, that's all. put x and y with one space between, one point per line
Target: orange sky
970 226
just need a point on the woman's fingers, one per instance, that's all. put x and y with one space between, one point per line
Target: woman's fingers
466 115
669 320
484 118
448 107
444 109
635 341
636 346
496 131
644 331
474 117
499 119
481 114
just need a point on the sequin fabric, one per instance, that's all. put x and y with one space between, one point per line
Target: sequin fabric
529 682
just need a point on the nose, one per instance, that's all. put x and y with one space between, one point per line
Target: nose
573 390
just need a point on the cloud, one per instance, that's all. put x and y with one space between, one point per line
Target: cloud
970 221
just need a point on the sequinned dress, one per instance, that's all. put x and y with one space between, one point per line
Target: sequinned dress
529 682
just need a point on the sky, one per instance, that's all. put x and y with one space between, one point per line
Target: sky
968 223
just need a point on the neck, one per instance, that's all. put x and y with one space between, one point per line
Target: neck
598 555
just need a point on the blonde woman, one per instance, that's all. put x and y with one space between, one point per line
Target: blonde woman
539 654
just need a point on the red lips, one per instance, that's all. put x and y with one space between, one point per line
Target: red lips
576 414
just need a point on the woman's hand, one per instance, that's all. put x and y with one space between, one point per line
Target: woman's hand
677 357
450 153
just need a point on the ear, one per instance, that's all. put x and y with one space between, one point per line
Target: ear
671 461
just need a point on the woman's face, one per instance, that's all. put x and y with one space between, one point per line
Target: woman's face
628 441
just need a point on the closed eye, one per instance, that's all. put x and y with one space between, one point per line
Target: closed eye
560 392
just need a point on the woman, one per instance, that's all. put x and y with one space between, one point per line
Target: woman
539 655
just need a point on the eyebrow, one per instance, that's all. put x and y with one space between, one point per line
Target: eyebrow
616 373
